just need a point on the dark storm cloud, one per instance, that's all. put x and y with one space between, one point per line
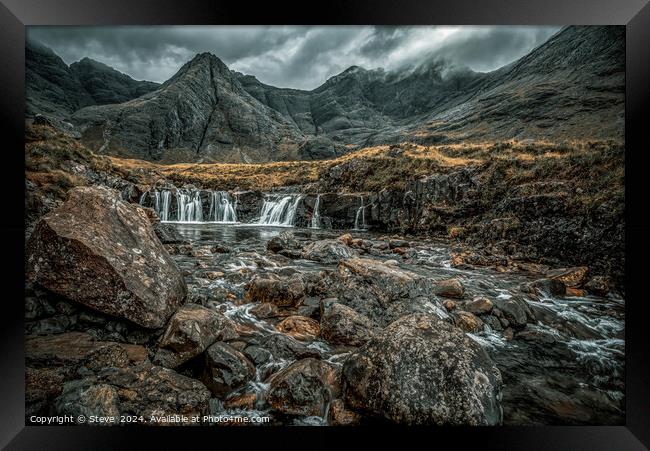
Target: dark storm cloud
291 56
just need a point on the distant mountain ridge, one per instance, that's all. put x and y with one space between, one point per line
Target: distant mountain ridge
55 89
569 88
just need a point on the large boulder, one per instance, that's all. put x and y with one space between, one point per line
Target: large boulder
142 389
275 289
380 290
327 251
190 331
226 369
284 244
102 252
340 324
422 370
303 388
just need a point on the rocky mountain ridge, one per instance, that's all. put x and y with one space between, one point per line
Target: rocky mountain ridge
569 88
57 90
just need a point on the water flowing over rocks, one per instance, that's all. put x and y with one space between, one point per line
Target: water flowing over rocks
102 252
421 370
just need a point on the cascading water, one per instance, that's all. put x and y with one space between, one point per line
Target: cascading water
315 217
221 208
190 208
143 197
279 212
361 214
163 212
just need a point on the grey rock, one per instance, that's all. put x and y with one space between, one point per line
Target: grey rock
102 252
421 370
190 331
226 369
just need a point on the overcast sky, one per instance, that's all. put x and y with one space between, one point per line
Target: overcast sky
290 56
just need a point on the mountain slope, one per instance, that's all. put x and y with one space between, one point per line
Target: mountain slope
570 87
106 85
50 87
201 114
56 90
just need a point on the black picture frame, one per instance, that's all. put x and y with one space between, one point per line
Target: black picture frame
16 14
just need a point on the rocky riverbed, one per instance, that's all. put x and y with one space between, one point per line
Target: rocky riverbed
126 315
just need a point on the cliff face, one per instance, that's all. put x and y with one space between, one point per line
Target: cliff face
201 114
569 88
51 88
106 85
56 90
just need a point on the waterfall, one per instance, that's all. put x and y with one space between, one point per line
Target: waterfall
156 195
164 212
361 214
143 197
279 211
221 208
315 217
190 208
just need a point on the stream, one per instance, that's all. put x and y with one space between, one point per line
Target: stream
568 368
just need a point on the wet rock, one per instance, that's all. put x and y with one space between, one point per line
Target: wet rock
493 322
226 369
277 290
214 275
42 385
449 305
598 285
284 244
579 292
342 325
514 310
74 349
168 234
303 388
246 401
265 310
327 251
422 370
468 321
80 399
449 288
479 306
571 277
346 239
285 347
53 325
339 415
257 354
299 327
310 307
395 243
374 289
141 390
546 287
102 252
190 331
220 248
